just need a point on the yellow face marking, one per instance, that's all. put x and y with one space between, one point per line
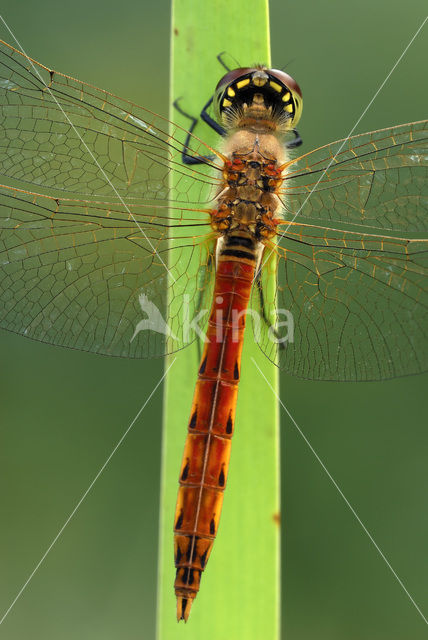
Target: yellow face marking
259 81
242 83
275 86
289 108
230 92
226 103
286 97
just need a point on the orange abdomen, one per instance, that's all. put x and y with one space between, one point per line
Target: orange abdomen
206 456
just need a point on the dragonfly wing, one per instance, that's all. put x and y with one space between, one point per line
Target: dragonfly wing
352 261
377 180
58 132
101 277
350 306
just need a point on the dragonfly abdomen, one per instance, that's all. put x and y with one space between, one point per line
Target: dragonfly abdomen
206 456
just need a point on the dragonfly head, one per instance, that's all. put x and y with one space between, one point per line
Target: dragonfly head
257 93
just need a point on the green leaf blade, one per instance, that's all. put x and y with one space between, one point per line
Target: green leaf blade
240 593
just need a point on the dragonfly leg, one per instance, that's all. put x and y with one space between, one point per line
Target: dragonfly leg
186 157
296 142
222 62
259 285
210 121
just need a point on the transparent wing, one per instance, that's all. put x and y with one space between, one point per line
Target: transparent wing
377 180
94 276
81 273
58 132
352 263
351 306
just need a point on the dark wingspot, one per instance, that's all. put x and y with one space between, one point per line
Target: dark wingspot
229 425
236 372
185 471
192 423
204 558
212 527
179 520
178 556
203 365
221 478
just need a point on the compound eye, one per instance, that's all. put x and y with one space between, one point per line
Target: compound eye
233 75
286 80
243 87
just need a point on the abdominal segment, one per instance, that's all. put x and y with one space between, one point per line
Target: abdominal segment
205 463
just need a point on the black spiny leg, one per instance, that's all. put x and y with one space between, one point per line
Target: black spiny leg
186 157
296 142
259 286
222 62
210 121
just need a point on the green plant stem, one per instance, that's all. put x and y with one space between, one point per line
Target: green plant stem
240 594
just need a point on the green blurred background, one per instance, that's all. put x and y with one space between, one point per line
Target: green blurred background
63 411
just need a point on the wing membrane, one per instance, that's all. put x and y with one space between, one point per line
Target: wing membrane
58 132
358 305
94 275
376 180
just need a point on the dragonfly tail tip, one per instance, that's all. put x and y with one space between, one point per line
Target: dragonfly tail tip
184 604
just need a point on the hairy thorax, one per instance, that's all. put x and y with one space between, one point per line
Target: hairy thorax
248 200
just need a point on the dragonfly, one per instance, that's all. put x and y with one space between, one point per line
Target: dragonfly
118 226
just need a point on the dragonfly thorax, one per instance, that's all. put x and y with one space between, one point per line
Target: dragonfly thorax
264 147
252 178
246 209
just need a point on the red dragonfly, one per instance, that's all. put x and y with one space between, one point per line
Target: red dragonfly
103 250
